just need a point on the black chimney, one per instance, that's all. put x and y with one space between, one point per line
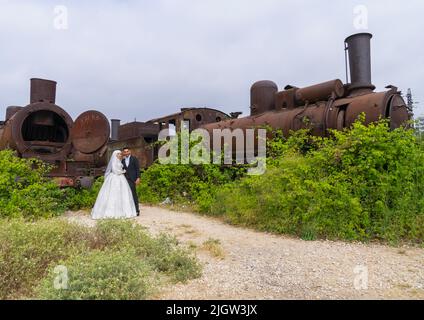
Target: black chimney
115 129
359 48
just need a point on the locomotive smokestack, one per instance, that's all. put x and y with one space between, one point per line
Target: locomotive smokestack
115 129
359 48
43 90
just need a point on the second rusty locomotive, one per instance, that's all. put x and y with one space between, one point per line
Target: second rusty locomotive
327 105
43 130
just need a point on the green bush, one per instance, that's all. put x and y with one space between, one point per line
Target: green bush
359 184
24 190
17 173
189 184
162 252
79 198
108 275
30 251
363 183
185 183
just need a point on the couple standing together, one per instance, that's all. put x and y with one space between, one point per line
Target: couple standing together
117 197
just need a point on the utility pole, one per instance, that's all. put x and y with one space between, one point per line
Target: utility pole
419 122
410 102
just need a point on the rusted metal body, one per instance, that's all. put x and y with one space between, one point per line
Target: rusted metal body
319 92
196 117
262 97
40 128
91 132
43 90
11 110
327 105
141 136
293 97
143 150
135 129
323 115
43 130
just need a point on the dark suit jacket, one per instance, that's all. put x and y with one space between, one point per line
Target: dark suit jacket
133 170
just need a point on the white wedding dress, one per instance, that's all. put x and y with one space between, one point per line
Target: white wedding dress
115 199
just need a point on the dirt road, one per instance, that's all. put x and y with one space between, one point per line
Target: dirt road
244 264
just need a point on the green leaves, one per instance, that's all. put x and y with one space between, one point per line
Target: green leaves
358 184
366 182
24 190
189 184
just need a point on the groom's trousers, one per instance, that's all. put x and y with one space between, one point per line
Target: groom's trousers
134 194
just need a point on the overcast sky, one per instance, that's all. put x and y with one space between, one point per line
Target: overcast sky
145 59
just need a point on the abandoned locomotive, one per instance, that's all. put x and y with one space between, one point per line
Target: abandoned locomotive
328 105
42 129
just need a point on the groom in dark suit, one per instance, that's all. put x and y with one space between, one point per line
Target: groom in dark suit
132 168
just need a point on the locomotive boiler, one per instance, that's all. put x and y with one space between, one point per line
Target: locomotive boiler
327 105
43 130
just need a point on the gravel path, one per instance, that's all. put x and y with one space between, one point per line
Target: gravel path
245 264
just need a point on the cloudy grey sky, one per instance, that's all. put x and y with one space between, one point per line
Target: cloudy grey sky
144 59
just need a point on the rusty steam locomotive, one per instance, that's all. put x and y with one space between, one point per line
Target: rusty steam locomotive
328 105
79 149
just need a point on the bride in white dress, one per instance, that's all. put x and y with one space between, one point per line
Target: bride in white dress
115 199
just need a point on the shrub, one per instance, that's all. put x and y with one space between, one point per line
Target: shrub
29 252
77 199
18 173
162 252
28 249
185 183
108 275
24 191
364 183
